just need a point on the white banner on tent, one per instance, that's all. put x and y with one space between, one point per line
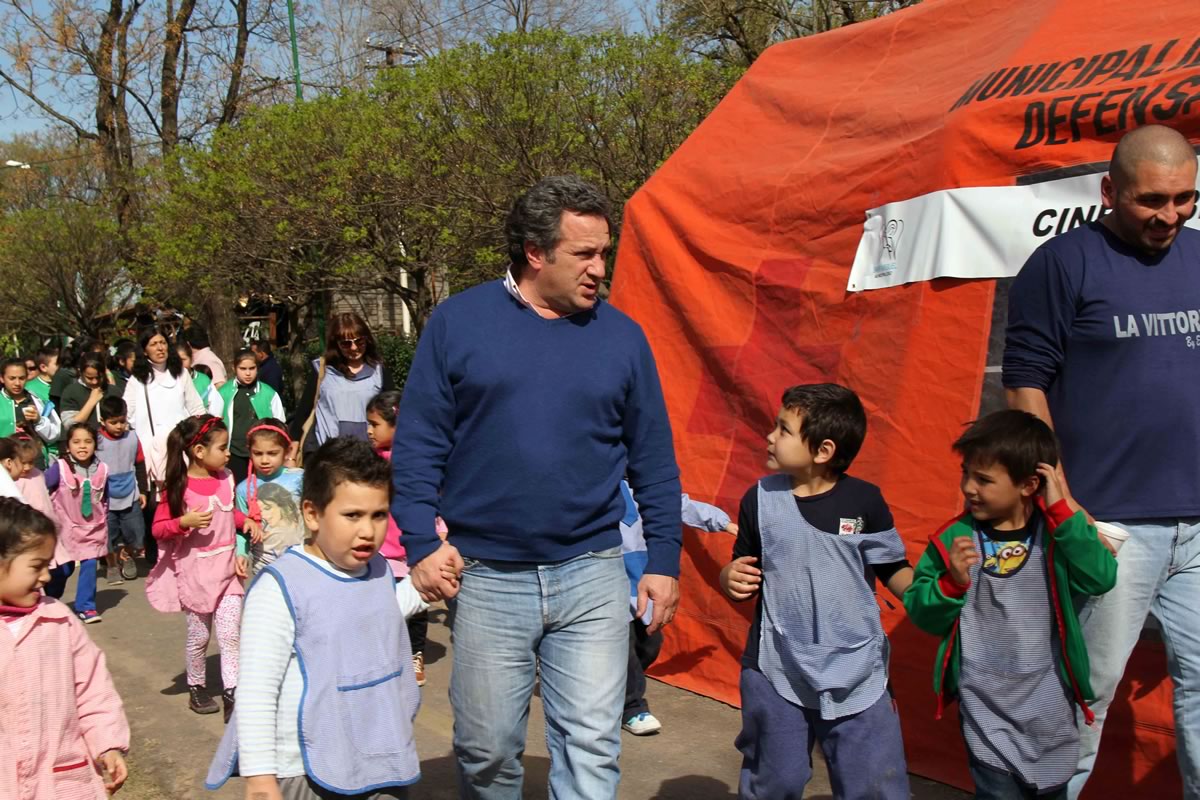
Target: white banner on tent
972 232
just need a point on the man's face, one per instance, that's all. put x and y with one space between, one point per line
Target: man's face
568 278
1150 206
14 380
258 354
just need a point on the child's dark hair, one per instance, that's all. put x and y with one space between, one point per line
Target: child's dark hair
11 362
22 528
79 426
242 354
1016 440
199 430
97 362
343 460
124 348
9 448
385 404
111 407
270 428
45 355
830 412
26 448
203 369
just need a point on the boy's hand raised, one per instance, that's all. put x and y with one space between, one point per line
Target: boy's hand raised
963 556
741 579
1052 484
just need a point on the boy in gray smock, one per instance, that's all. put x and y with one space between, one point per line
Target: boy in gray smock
811 542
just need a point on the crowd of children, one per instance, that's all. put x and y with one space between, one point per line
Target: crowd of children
301 576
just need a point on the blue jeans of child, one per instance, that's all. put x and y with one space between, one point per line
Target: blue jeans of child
126 527
1158 572
58 580
571 618
85 587
992 784
864 751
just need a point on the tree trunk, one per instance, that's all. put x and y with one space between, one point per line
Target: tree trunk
217 317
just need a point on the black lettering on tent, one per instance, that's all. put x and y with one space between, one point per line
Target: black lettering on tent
1107 64
1129 70
1062 221
1083 73
1054 119
1180 101
1078 113
1035 125
1081 217
1138 102
994 84
1191 58
1076 63
1153 69
1022 81
1050 75
1103 107
970 93
1038 230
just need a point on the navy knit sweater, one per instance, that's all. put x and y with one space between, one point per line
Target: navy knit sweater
518 430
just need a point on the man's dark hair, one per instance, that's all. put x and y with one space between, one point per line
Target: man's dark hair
44 355
262 345
342 460
536 216
111 407
1016 440
196 336
830 412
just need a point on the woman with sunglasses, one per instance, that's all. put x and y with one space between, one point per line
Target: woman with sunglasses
340 385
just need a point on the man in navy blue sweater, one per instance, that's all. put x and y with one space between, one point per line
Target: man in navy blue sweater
1103 343
527 402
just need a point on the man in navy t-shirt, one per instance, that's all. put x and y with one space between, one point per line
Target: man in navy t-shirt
1103 343
528 400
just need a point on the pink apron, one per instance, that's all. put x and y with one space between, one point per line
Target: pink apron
33 489
196 570
81 537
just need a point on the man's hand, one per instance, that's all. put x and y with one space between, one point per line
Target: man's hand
263 787
112 762
664 591
435 577
740 579
963 556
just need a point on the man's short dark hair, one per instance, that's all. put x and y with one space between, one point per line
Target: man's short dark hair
830 412
1016 440
536 216
197 337
340 460
111 407
262 345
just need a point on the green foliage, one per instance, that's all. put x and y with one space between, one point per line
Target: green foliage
397 353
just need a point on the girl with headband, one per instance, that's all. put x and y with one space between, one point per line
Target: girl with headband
198 568
270 495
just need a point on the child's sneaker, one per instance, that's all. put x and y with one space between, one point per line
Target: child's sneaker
201 701
113 578
419 668
88 617
642 724
129 569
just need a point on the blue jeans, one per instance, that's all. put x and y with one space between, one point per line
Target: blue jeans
571 618
126 527
1158 572
58 580
85 587
992 784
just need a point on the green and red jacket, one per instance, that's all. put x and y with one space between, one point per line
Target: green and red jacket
1082 565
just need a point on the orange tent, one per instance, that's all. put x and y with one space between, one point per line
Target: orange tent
736 258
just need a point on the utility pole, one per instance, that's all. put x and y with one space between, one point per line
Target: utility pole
291 9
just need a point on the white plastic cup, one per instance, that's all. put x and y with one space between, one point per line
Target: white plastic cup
1115 535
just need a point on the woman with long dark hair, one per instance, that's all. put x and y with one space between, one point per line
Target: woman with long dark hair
340 384
158 396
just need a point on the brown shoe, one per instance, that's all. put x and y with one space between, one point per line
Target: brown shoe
419 668
227 698
201 701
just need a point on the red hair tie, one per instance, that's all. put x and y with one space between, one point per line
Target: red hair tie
269 427
253 509
204 429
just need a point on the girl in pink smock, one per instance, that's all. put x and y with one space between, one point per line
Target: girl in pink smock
31 482
77 482
62 725
198 568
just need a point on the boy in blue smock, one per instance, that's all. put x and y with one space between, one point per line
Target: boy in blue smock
811 542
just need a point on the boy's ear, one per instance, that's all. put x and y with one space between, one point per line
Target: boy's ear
1030 486
312 517
825 452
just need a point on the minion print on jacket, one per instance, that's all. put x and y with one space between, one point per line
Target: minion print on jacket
1003 558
